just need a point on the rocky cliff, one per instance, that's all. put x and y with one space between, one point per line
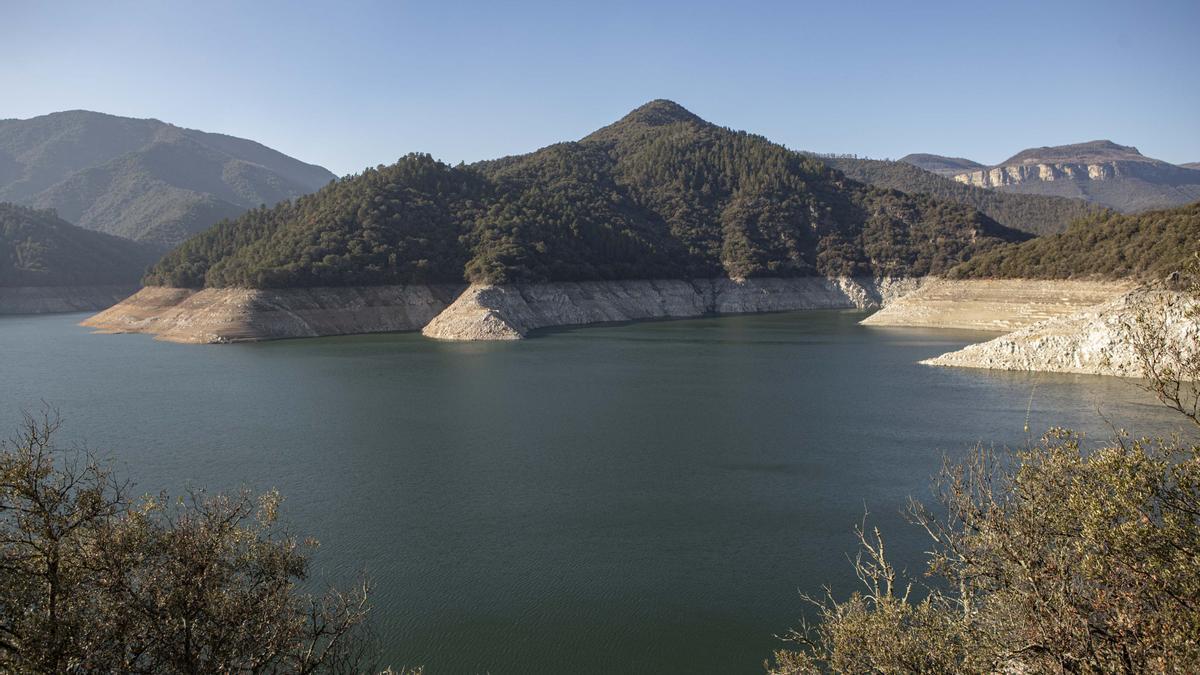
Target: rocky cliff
51 299
993 304
1102 172
237 314
1095 340
509 312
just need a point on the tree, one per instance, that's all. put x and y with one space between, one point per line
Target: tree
91 581
1057 559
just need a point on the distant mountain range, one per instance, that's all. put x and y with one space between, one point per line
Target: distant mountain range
1101 172
38 248
142 179
943 166
660 194
1037 214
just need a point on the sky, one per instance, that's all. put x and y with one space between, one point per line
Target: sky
351 84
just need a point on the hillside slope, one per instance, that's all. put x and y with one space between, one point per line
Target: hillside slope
39 249
659 194
142 179
1146 245
940 164
1037 214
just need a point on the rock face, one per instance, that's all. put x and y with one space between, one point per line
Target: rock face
217 315
1094 340
511 312
52 299
993 304
1101 172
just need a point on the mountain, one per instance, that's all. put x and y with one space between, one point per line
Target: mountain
660 194
1145 245
37 248
1191 165
142 179
943 166
1038 214
1102 172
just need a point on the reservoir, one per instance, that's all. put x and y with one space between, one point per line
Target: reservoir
633 498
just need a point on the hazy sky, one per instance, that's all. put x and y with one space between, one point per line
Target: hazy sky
352 84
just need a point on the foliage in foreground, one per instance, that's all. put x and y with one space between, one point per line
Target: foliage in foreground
91 582
1057 560
1064 561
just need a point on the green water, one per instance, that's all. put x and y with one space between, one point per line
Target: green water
640 498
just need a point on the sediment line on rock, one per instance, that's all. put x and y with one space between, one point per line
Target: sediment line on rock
993 304
508 312
216 315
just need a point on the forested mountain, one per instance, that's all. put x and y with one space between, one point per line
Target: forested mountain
37 248
141 178
1031 213
1146 245
659 194
1102 172
939 164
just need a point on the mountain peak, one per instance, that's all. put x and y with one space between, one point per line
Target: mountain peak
659 112
1091 151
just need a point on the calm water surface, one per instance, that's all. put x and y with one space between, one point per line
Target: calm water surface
640 498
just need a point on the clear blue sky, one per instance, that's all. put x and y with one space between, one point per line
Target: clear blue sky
351 84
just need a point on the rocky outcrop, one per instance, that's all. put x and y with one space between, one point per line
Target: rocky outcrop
510 312
993 304
217 315
57 299
1101 172
1094 341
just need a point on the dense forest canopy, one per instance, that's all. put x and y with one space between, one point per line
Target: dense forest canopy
37 248
1038 214
1145 245
659 194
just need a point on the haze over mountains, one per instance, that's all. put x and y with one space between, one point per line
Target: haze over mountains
1101 172
142 179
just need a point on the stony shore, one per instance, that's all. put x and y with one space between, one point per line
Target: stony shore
217 315
993 304
1065 326
485 312
1095 340
477 313
58 299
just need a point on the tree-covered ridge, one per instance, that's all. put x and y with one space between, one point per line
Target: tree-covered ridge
37 248
1145 245
659 194
1038 214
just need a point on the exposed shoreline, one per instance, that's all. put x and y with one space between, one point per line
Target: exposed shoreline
223 315
1093 341
1063 326
511 312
